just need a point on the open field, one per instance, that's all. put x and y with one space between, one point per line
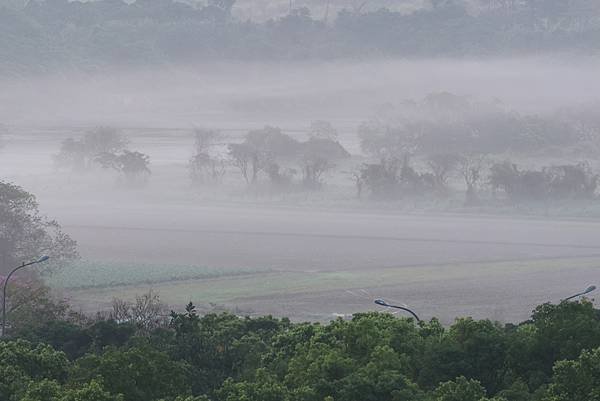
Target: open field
312 265
289 260
506 291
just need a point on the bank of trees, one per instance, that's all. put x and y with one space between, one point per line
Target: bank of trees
25 232
504 181
445 142
104 147
399 162
553 356
46 34
285 161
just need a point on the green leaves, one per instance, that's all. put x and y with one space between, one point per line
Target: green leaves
577 380
47 390
22 363
25 232
373 357
139 373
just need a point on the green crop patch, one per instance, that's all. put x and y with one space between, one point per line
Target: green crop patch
102 274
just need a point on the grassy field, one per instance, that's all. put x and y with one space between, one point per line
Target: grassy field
321 295
102 274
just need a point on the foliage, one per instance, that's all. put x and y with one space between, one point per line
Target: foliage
260 150
169 32
139 373
106 147
47 390
26 234
391 179
269 150
460 390
442 166
80 154
554 182
317 155
133 166
577 380
378 357
22 363
30 305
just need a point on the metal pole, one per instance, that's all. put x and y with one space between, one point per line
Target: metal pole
587 291
384 303
43 259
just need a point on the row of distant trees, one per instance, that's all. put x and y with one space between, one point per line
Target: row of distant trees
48 33
266 152
393 178
452 137
394 169
270 153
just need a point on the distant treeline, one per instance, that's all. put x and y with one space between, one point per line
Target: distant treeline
49 34
442 147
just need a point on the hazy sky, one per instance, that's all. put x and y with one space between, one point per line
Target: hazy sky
238 94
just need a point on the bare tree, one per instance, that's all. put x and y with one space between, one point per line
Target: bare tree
121 310
470 167
205 166
246 159
147 312
442 165
356 175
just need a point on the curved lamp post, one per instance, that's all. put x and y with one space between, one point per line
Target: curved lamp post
40 260
382 302
587 291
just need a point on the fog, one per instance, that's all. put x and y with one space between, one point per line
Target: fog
290 95
302 254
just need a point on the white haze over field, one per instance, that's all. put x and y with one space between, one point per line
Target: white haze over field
261 10
169 223
288 95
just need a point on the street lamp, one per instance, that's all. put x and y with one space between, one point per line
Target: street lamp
382 302
40 260
587 291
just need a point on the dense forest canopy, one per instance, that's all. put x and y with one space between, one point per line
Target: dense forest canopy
135 354
43 35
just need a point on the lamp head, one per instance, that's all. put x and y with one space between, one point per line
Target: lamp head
381 302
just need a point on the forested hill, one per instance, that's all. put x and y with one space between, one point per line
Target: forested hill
43 35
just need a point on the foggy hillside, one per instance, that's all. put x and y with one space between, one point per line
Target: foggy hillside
56 34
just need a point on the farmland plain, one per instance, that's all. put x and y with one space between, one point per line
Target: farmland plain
312 261
316 265
303 255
